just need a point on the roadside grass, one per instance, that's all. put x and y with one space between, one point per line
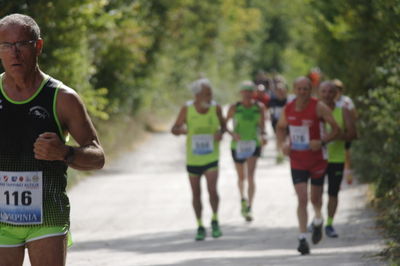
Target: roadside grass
389 219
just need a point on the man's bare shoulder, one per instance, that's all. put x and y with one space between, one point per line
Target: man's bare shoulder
68 95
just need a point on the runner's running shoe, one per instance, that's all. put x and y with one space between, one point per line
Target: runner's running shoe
303 248
316 233
216 231
201 233
310 227
248 217
330 231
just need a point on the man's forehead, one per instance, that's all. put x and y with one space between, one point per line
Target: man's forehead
14 30
302 83
327 86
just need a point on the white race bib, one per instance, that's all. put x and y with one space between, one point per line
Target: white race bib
202 144
299 138
21 197
245 148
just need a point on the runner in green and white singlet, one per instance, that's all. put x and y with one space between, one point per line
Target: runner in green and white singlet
202 121
336 150
248 136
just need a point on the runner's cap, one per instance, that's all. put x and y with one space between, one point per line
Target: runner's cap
247 86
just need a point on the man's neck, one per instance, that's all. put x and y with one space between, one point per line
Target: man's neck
302 103
20 88
331 105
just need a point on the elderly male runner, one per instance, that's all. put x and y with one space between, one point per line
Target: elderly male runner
304 116
336 149
36 113
202 122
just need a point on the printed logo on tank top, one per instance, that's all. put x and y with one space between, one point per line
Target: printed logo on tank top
306 122
39 112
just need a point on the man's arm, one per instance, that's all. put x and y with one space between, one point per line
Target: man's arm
221 131
261 125
350 131
231 113
178 127
281 133
75 120
325 114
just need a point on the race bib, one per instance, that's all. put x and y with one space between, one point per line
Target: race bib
299 138
21 200
202 144
245 148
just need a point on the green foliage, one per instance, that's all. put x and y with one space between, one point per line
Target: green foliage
123 56
377 153
66 55
350 36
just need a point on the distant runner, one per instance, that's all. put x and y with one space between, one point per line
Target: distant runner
278 100
203 123
248 137
304 116
347 103
336 150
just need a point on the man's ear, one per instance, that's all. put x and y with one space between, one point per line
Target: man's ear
39 46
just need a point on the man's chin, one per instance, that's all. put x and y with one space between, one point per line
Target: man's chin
205 105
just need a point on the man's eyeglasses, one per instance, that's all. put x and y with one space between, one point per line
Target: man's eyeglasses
304 88
7 46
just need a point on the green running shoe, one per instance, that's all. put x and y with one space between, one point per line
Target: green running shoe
244 208
248 217
279 158
216 231
201 233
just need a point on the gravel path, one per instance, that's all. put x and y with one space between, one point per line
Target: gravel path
138 212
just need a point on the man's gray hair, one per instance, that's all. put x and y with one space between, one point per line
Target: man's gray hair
199 84
23 20
328 83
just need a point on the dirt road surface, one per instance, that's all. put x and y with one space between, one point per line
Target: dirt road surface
138 212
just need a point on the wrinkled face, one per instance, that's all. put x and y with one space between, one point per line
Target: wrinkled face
246 95
302 89
204 96
327 93
18 60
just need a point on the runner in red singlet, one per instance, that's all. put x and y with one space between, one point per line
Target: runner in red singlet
304 116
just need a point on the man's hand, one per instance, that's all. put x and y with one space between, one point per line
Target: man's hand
315 145
49 147
179 130
286 149
264 140
218 135
235 136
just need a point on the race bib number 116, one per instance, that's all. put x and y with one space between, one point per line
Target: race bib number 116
21 197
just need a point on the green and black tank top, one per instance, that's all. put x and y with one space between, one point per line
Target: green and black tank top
22 122
246 123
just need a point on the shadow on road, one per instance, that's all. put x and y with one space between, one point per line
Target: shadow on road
235 238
